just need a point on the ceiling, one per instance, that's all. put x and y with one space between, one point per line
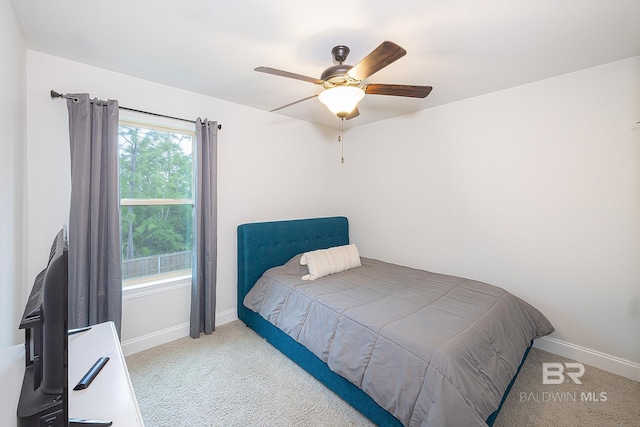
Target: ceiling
463 48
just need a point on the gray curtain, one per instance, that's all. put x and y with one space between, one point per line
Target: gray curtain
95 267
205 235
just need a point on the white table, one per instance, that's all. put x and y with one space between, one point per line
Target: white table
109 397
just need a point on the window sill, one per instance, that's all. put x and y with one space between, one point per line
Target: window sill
156 286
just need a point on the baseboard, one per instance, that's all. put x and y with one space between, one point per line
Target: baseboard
226 316
144 342
138 344
603 361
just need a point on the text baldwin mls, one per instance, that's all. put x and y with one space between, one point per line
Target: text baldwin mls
563 396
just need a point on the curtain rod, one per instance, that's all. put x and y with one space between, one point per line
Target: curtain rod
55 94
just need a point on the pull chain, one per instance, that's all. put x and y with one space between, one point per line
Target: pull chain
340 139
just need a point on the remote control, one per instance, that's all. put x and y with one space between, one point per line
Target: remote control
79 422
78 330
91 374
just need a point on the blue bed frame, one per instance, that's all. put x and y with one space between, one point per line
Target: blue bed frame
264 245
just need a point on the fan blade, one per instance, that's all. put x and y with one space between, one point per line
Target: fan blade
398 90
353 114
288 74
379 58
293 103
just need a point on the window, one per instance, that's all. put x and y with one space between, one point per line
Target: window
156 205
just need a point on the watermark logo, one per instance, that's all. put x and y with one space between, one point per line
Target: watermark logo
563 396
559 373
554 373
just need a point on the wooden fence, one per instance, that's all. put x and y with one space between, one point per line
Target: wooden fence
158 264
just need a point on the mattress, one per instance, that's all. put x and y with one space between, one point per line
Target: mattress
431 349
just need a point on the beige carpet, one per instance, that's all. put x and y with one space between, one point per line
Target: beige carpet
235 378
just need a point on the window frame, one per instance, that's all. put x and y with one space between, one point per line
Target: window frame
147 121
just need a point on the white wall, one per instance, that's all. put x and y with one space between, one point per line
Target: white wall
535 189
266 162
12 172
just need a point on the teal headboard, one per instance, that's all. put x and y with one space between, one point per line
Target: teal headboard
263 245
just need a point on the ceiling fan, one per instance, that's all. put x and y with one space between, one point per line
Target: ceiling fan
344 85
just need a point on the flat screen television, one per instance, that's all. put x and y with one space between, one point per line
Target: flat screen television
44 394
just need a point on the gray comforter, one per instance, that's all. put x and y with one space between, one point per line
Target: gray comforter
431 349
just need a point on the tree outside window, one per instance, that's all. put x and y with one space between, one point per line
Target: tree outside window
156 191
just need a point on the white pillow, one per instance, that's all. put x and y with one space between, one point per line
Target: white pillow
329 261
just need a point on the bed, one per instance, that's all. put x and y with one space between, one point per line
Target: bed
390 377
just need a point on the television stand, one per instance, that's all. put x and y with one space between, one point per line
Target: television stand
109 397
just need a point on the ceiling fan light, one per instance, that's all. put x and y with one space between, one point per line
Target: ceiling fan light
341 100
